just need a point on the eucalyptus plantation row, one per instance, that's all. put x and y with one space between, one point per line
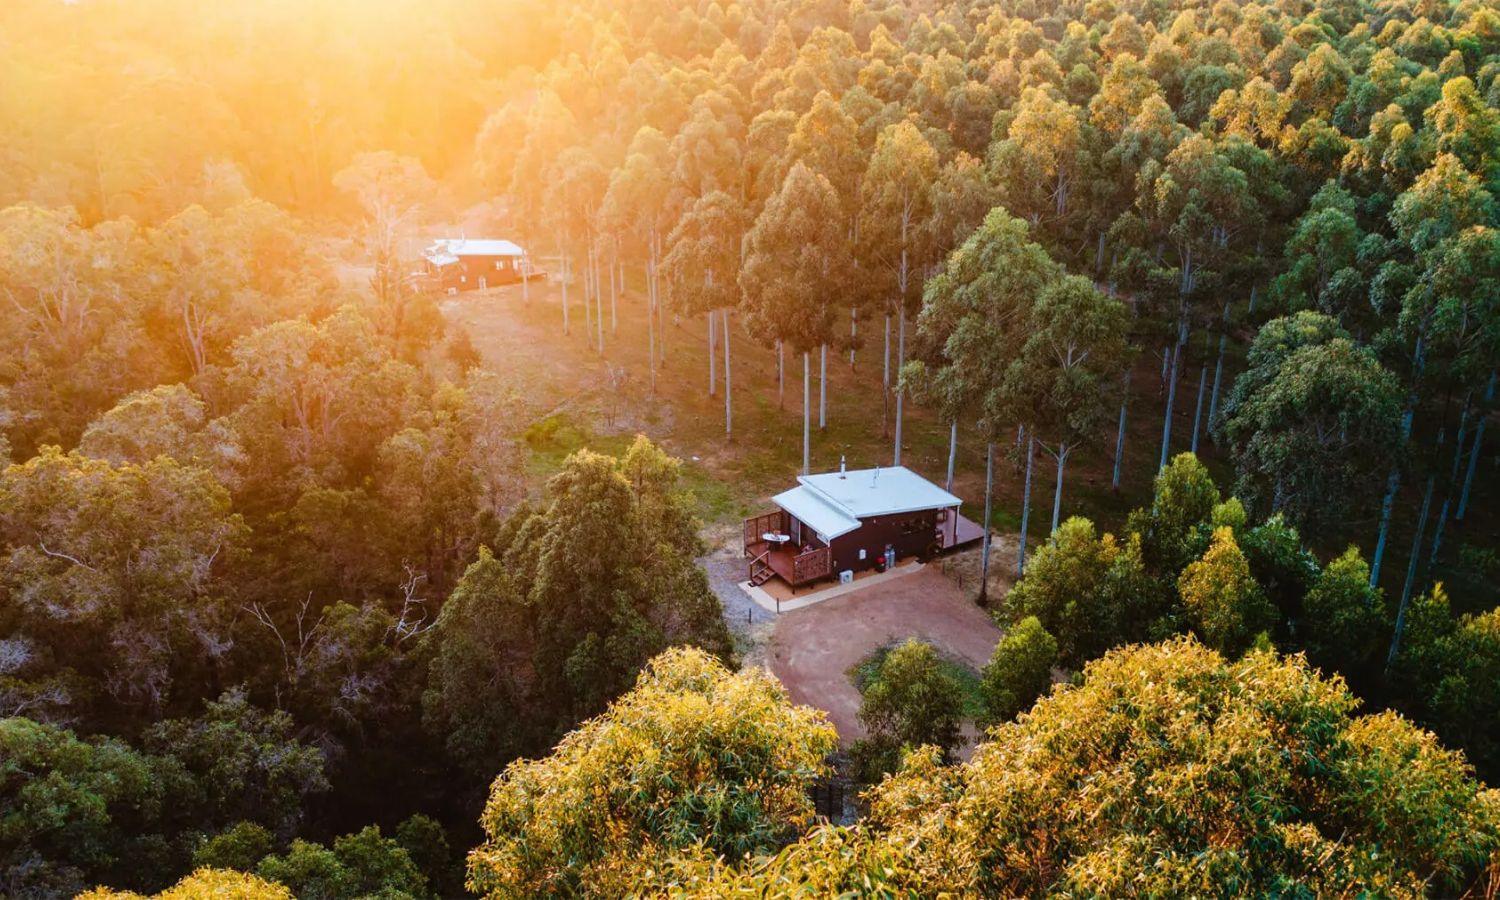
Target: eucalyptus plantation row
1189 176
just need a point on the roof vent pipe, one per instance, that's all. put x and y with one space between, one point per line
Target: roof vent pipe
875 482
841 467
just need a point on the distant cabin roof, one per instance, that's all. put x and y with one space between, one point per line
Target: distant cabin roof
832 503
457 248
442 259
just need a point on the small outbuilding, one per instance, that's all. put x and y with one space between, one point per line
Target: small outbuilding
451 266
848 521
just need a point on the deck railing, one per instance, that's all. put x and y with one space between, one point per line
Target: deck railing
759 525
813 564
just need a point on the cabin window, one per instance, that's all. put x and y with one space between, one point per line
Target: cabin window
463 279
499 264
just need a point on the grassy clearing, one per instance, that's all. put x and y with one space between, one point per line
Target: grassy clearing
867 673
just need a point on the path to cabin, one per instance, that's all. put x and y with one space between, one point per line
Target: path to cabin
812 649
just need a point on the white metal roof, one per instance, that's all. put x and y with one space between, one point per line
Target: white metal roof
456 247
442 259
884 491
816 512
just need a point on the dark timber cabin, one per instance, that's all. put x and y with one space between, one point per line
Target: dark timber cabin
451 266
847 521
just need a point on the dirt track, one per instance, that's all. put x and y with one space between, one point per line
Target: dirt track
813 649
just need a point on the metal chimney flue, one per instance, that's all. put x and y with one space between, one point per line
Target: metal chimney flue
841 467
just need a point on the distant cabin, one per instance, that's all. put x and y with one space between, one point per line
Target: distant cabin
451 266
848 521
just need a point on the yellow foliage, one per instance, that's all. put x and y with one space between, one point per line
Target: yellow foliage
205 884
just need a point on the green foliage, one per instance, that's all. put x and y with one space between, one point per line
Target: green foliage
363 864
1223 600
245 763
1183 498
912 702
1085 589
76 811
1344 615
240 847
1312 425
692 756
577 597
1020 670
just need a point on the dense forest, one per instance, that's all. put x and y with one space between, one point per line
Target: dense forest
289 606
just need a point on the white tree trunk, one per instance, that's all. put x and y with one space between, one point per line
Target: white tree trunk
1062 460
651 320
1166 428
885 375
853 332
780 375
565 291
1484 414
952 452
1411 570
806 413
989 493
1025 507
728 407
525 280
1393 481
1198 407
616 279
598 302
1458 457
1213 399
900 394
822 387
712 389
1120 434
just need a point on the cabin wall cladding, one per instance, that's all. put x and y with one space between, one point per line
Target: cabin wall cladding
911 534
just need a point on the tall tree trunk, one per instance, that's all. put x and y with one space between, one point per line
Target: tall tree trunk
712 390
651 320
1411 568
1452 486
1393 481
1062 460
952 452
989 493
780 375
1025 506
616 279
900 364
1166 428
1120 434
885 374
565 275
728 408
822 387
588 299
1484 414
598 301
1198 407
1213 397
853 332
806 413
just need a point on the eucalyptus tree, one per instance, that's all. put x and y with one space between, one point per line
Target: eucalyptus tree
826 140
896 206
1064 380
974 316
703 265
794 264
638 206
1311 422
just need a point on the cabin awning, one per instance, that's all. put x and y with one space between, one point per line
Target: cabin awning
812 510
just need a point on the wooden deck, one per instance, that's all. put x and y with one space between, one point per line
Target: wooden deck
967 533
